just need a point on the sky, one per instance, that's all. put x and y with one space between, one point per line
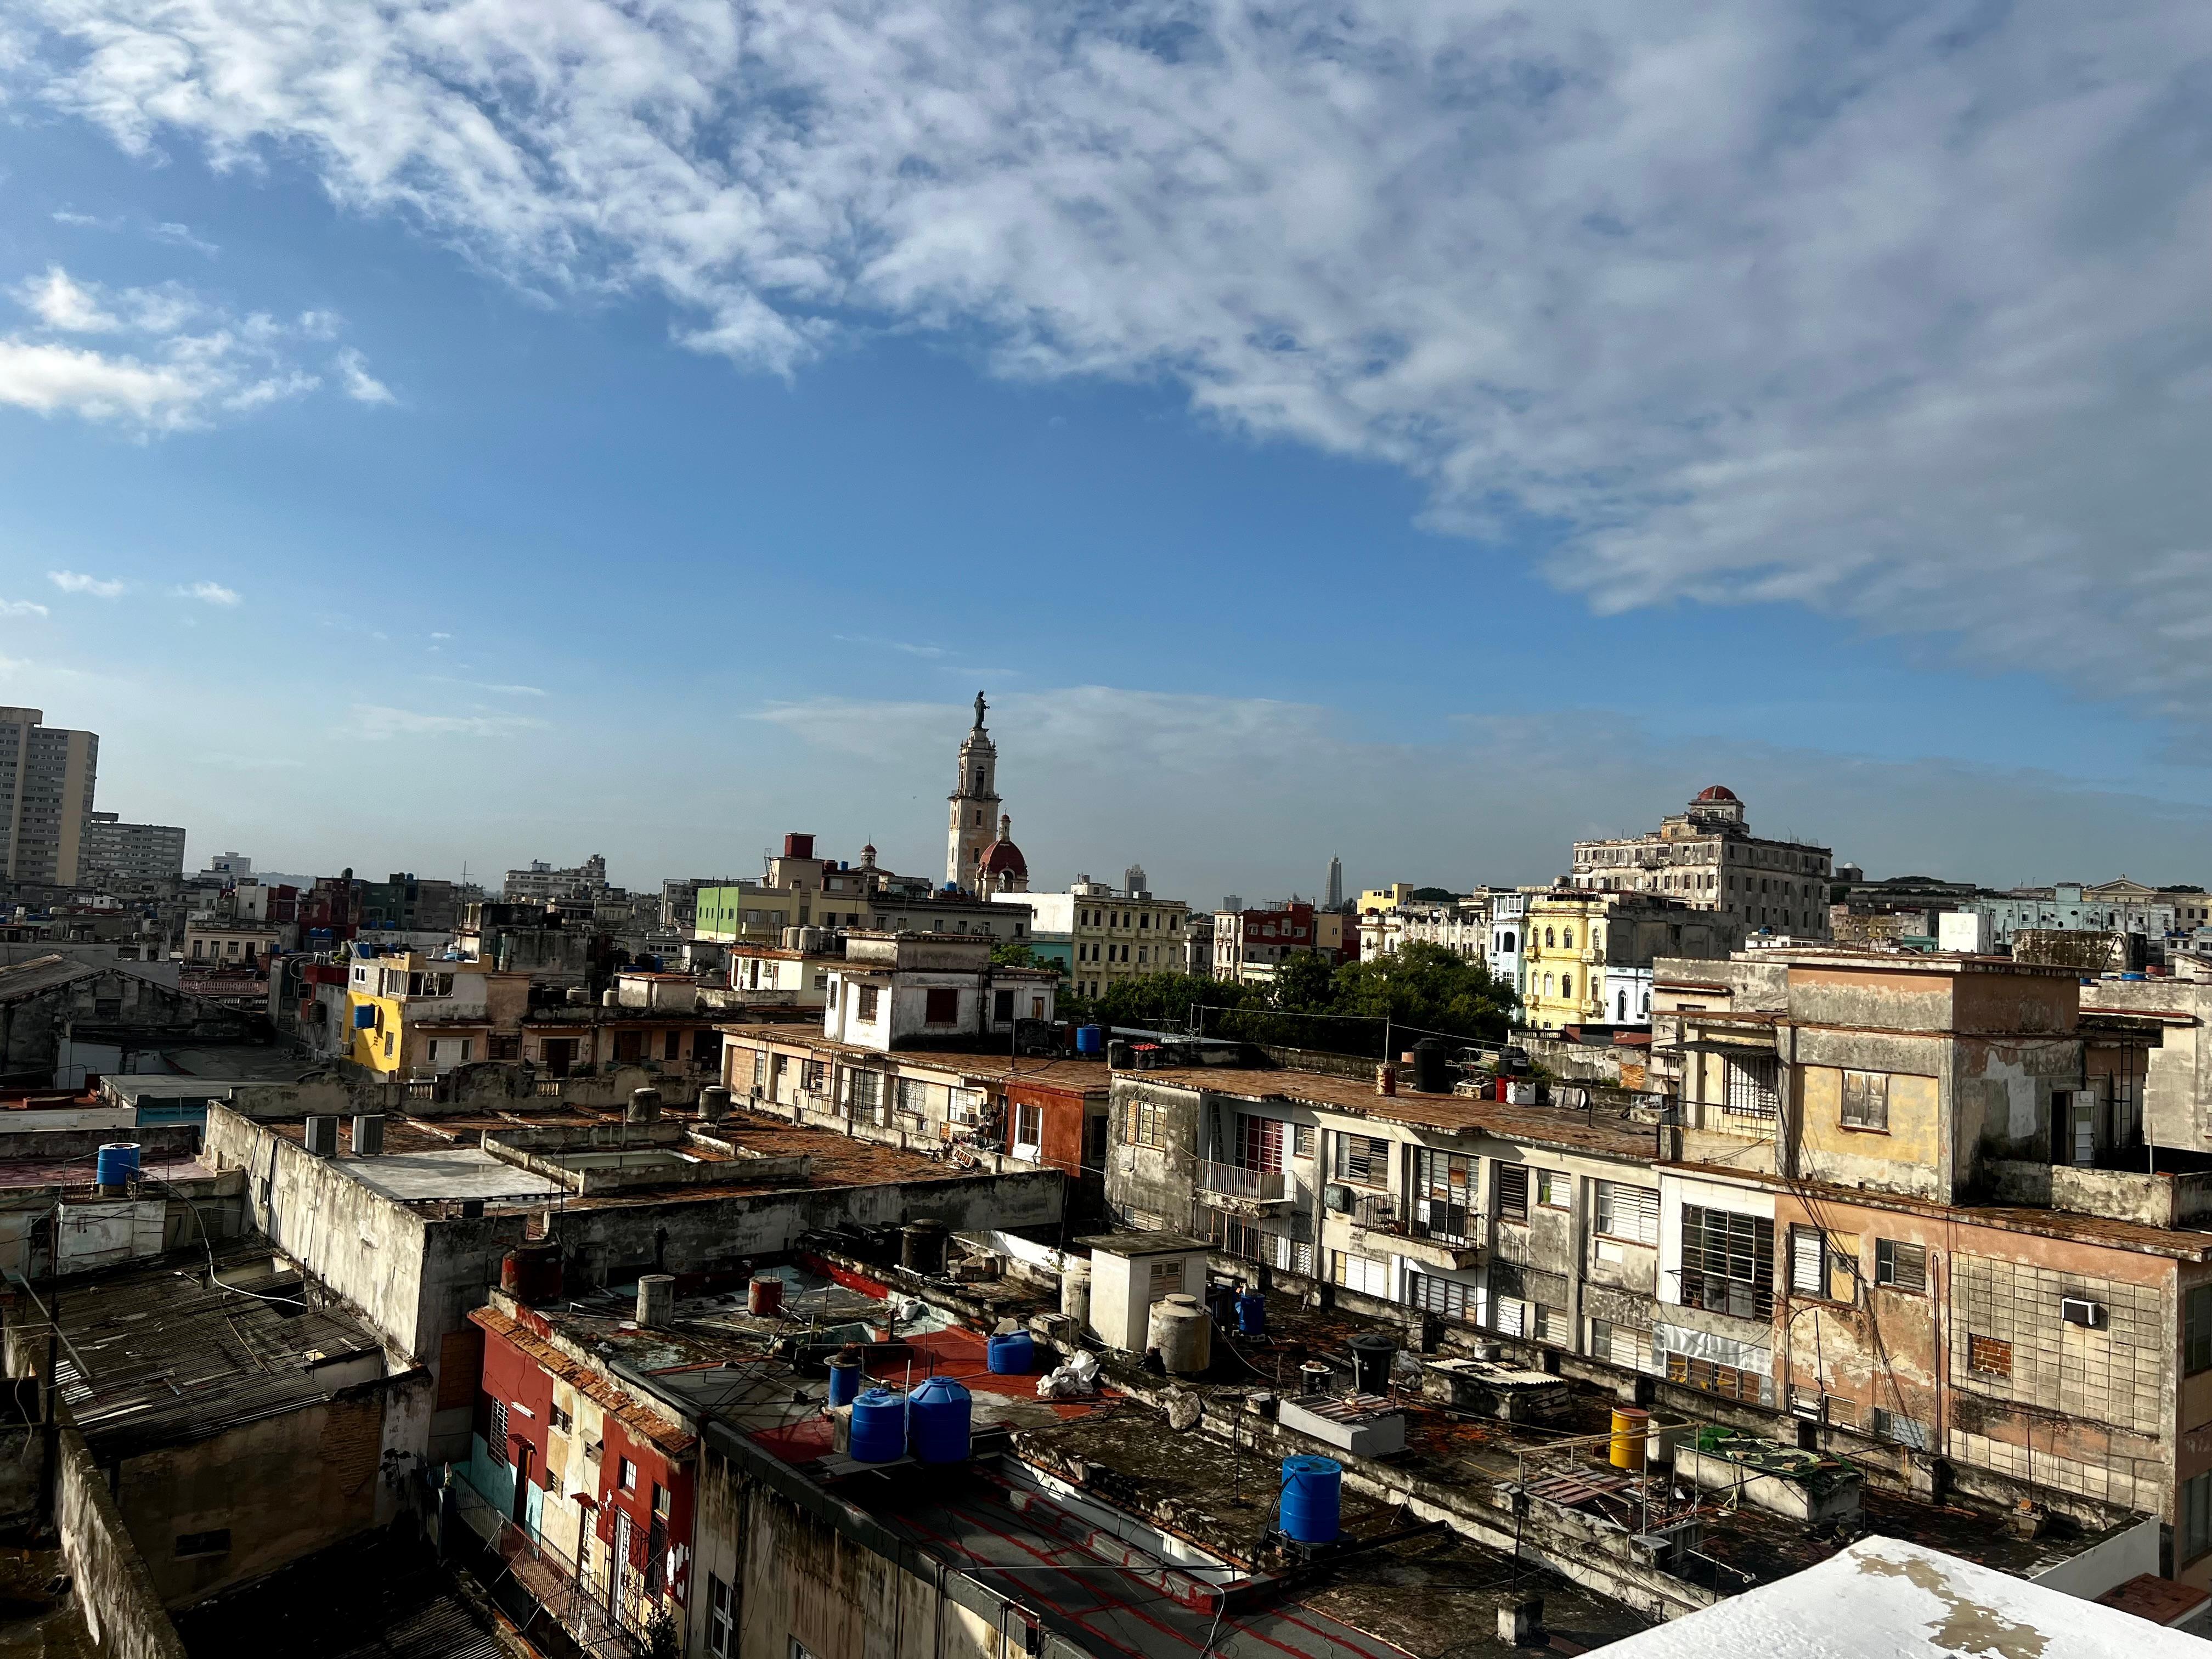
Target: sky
433 438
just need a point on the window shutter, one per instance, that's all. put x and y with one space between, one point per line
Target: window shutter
1513 1191
1808 1268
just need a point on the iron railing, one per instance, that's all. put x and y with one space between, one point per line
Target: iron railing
1235 1181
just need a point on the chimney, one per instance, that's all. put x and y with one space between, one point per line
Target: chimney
656 1301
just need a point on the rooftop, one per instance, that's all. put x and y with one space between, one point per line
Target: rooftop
155 1355
1599 1131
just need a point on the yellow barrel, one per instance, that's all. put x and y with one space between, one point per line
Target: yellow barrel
1631 1427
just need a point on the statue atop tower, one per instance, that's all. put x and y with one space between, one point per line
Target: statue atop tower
974 804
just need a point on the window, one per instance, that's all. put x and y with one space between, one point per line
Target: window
1002 1006
815 1074
1627 1212
1625 1345
1165 1280
866 1091
1146 1125
1028 1130
1445 1201
1555 1189
1548 939
1751 1091
1358 1272
1729 1381
659 1501
1987 1356
941 1006
913 1096
559 1421
2196 1328
1302 1141
1808 1261
626 1474
216 1542
1259 1143
495 1434
1364 1159
1727 1262
2194 1507
1866 1100
721 1629
870 996
669 1039
1512 1184
1891 1426
1899 1266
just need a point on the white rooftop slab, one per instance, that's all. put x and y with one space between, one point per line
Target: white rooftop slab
135 1086
32 1119
455 1172
1885 1599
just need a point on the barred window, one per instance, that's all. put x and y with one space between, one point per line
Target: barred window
1726 1380
496 1437
815 1074
866 1092
1146 1125
913 1097
1727 1262
1751 1088
1448 1297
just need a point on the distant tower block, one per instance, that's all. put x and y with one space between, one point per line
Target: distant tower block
1135 883
974 805
1335 899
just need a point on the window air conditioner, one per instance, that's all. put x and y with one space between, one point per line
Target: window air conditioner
1338 1198
2080 1310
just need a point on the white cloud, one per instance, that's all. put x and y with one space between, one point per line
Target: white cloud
176 360
181 236
21 608
360 385
1894 315
209 593
99 588
379 724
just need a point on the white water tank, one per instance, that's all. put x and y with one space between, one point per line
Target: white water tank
1183 1333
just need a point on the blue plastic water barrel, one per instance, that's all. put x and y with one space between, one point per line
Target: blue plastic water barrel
1312 1498
116 1163
1090 1039
1013 1354
1252 1313
845 1377
879 1427
939 1415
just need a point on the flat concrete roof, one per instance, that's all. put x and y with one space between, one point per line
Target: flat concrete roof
449 1173
1148 1243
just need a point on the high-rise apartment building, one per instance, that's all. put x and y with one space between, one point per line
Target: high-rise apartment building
47 777
136 852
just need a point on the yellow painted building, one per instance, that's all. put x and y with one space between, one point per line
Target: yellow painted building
1564 950
1386 898
409 1015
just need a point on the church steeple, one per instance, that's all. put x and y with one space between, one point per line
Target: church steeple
973 803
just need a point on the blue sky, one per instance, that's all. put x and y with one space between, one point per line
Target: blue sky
663 466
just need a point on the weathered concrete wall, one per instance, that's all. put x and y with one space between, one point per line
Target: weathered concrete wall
608 1243
2178 1089
122 1606
412 1277
1153 1183
281 1488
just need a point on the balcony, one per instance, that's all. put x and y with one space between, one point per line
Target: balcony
1438 1234
1234 1181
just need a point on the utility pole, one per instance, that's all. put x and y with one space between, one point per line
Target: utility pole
50 1428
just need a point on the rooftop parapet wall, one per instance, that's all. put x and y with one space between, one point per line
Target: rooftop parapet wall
590 1159
2151 1200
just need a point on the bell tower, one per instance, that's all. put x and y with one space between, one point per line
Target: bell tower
974 803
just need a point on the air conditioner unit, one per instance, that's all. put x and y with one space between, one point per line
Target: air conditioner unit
1338 1198
2080 1310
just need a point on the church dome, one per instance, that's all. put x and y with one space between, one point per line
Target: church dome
1717 792
1002 859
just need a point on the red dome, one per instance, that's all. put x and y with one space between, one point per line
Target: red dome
1717 792
1003 858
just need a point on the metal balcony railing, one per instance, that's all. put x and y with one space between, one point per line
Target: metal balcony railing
1451 1225
1234 1181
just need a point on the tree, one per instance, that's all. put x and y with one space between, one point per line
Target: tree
1434 895
1164 1000
1020 953
1305 984
1428 987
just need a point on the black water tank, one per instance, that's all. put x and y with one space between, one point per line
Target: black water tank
1371 1354
1432 1067
922 1248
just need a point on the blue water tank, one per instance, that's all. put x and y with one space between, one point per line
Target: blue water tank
1013 1355
1090 1039
1251 1314
845 1377
939 1417
879 1427
116 1163
364 1015
1312 1498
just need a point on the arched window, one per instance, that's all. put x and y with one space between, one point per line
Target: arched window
1620 1008
1647 1003
1547 985
1548 939
1567 937
1509 944
1566 985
